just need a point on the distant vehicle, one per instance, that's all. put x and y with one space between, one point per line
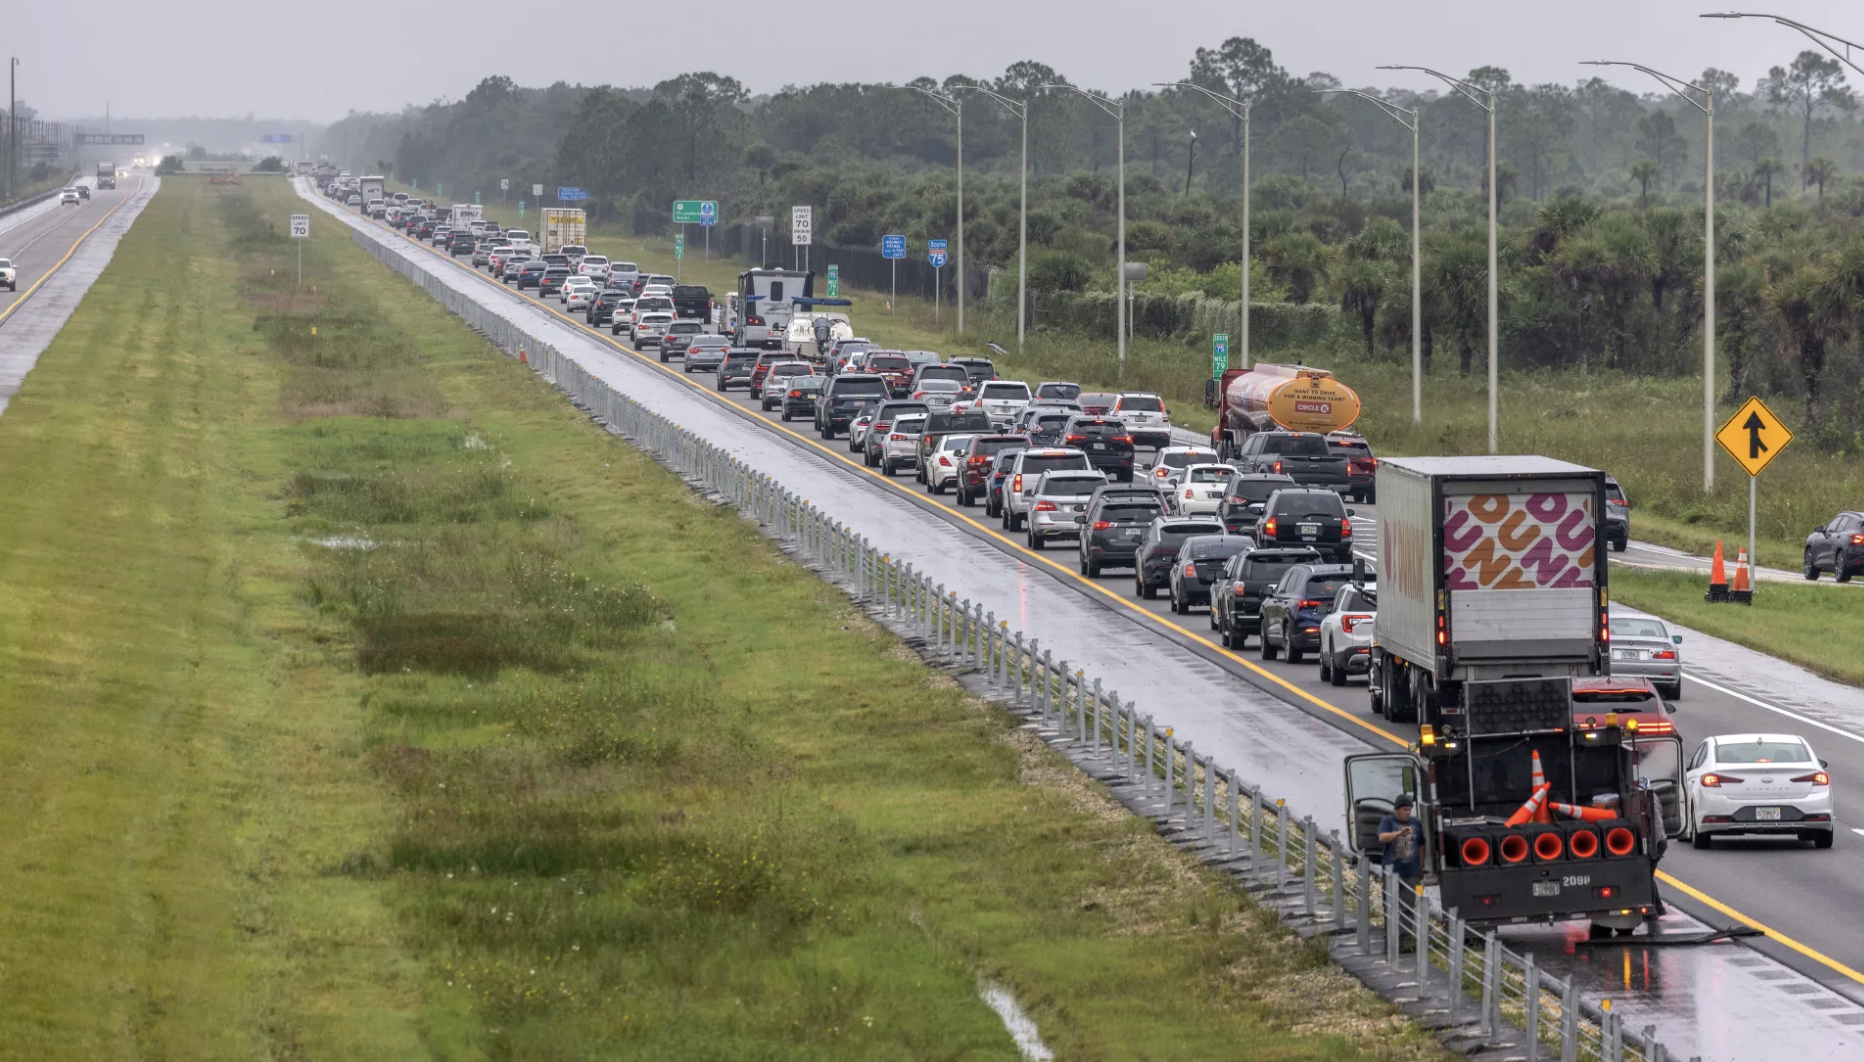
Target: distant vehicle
69 197
800 399
1108 443
1361 466
1302 455
1058 498
1172 459
84 192
1200 489
593 265
649 327
106 175
1643 647
679 334
1246 495
1236 597
531 274
844 395
776 383
1268 397
1617 516
554 277
765 295
1113 525
1147 419
736 369
1158 550
1019 491
1199 564
1065 392
900 443
372 187
706 353
563 227
1291 613
9 274
881 419
1758 784
1837 547
692 300
974 463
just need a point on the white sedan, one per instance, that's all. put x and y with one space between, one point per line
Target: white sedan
578 292
942 469
1198 489
1758 784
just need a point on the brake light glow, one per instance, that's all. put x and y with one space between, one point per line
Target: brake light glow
1277 467
1045 507
1816 778
1123 438
1346 528
1269 528
1312 604
945 461
1663 654
899 438
1857 540
1349 619
1103 525
796 394
1017 485
1073 438
1716 781
1190 570
1189 493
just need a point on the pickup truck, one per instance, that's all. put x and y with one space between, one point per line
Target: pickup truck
1303 456
692 300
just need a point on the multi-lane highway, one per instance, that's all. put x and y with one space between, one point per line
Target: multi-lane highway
1803 898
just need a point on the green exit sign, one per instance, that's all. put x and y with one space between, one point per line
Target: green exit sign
679 246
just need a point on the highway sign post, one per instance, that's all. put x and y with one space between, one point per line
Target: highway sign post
520 210
893 248
834 280
571 195
300 231
1753 437
504 188
679 255
935 253
802 231
1219 355
537 191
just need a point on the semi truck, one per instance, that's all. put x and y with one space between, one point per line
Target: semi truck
106 175
1271 397
765 301
1492 601
562 227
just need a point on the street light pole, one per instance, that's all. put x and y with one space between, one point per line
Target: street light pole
1707 106
1486 101
1019 108
1417 255
1116 108
1238 109
956 107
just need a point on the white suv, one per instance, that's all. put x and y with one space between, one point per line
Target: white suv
1003 400
1198 489
901 446
1144 413
1346 634
594 266
944 463
1019 490
9 275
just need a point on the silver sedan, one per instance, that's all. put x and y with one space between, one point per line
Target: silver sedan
1644 647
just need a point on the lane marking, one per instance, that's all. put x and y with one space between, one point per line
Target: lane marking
1663 876
60 264
1772 934
1738 695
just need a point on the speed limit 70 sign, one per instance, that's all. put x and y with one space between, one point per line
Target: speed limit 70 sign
300 226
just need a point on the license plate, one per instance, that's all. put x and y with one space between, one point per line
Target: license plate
1767 814
1546 888
1308 529
1624 654
1100 446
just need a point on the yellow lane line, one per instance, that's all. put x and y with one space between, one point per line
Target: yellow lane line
56 266
1110 595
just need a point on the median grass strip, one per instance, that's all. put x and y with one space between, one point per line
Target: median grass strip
1817 627
364 701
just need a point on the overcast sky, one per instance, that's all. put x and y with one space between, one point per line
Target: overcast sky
168 58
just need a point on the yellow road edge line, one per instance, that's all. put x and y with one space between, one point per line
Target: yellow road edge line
1663 876
1772 934
60 264
849 462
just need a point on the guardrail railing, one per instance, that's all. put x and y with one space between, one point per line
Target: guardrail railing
1492 994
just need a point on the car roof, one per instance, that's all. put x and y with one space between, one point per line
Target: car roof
1050 451
1273 552
1266 477
1738 739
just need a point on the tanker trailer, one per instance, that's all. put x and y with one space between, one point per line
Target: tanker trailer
1269 397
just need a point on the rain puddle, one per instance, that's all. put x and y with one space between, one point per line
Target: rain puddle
1021 1026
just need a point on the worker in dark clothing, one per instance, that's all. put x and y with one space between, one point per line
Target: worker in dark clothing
1398 833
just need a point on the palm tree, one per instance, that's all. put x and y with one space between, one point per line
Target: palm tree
1764 171
1674 259
1608 263
1362 288
1299 260
1800 305
1644 171
1821 171
1456 279
1556 220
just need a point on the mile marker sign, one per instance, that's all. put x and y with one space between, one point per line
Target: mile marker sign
1754 436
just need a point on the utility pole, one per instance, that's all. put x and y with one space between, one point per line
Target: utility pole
12 122
1240 110
1116 109
1021 110
956 107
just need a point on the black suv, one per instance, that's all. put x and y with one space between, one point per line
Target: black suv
1838 547
691 300
1308 517
602 308
461 242
1115 523
1618 517
1236 596
736 368
1105 441
1246 497
1158 549
1300 454
842 400
1291 613
1199 564
552 281
979 369
531 275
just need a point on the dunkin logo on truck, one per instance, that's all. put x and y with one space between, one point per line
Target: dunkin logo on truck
1519 541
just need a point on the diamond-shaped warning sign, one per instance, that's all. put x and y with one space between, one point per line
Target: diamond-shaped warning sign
1754 436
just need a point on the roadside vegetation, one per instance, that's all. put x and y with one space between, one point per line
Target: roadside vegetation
366 701
1816 627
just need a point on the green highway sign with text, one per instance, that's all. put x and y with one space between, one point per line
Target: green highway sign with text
679 246
694 211
1219 354
834 281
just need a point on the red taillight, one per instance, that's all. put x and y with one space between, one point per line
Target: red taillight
1312 604
1017 485
945 461
796 394
1816 778
1716 781
984 460
1190 570
1045 507
1350 619
1161 472
1346 528
899 438
1102 525
1123 438
1857 540
1616 501
1663 654
1269 528
1188 493
1073 438
1278 466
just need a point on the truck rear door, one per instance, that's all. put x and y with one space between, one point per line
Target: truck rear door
1520 563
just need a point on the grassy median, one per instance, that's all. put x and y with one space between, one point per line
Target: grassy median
1818 627
366 702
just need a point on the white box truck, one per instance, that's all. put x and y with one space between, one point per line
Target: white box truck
1489 568
373 188
563 227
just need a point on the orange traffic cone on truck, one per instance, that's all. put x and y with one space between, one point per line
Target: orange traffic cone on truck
1544 814
1526 812
1743 592
1573 811
1718 577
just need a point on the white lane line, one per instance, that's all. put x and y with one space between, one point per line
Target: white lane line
1857 831
1738 695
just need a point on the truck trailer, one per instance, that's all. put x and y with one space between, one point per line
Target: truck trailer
563 227
1272 397
106 175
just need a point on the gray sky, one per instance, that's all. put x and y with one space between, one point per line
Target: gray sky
169 58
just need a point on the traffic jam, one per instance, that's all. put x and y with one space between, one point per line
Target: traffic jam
1538 727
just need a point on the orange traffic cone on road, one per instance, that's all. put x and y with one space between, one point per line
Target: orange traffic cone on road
1718 577
1543 814
1743 591
522 360
1526 812
1573 811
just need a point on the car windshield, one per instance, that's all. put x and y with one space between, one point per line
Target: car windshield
1255 490
1142 405
1615 493
1615 695
861 387
1311 505
1210 475
948 386
1221 549
1184 459
953 373
1183 530
1638 627
791 368
888 363
1267 567
1103 427
1130 513
909 425
806 383
1297 445
1323 587
1064 391
1071 486
995 446
955 442
1351 447
1036 464
1052 422
1005 390
1762 750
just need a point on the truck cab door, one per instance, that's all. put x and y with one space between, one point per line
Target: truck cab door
1374 781
1658 762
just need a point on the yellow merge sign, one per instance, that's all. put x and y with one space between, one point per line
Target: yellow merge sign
1754 436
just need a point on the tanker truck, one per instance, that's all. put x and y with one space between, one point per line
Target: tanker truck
1279 398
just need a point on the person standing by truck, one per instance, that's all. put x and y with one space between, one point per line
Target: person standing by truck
1398 833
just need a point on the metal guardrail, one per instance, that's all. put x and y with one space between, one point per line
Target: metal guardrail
11 208
1492 994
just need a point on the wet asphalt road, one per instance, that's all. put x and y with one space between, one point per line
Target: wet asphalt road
1806 895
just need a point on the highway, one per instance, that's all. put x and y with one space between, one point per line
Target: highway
1802 897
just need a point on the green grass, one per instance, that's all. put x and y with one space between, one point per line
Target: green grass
1817 627
365 701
